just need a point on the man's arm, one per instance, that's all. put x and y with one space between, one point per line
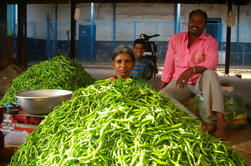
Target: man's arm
199 69
168 69
211 61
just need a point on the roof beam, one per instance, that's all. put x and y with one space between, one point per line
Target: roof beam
234 2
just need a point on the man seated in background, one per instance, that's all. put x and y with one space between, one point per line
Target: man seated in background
189 66
138 49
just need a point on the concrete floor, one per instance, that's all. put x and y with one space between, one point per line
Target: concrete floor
234 137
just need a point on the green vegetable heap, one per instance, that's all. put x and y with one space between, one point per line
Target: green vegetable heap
121 123
57 73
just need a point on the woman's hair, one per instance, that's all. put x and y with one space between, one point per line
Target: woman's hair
122 49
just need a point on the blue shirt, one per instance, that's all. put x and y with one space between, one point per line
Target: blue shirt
138 69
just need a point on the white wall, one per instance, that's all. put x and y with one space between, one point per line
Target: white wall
36 18
131 19
245 18
160 18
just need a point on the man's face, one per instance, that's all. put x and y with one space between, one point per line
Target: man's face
196 24
139 49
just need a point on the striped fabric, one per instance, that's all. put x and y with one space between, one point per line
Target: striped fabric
138 69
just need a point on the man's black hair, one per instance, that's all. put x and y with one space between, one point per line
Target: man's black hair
199 11
139 41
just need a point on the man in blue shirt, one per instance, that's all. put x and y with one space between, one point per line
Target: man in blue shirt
139 49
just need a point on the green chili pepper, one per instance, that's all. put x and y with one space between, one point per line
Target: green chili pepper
121 123
58 72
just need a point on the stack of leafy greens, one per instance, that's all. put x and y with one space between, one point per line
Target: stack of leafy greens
235 111
58 72
121 123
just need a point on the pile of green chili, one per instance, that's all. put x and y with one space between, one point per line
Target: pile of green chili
121 123
58 72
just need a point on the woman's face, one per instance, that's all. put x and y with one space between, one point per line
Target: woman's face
123 65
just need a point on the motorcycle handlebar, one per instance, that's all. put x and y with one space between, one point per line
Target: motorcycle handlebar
146 37
155 35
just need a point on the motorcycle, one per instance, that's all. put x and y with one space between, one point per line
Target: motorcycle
149 56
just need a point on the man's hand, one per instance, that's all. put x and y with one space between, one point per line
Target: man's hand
183 78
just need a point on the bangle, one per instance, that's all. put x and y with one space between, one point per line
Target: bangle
193 70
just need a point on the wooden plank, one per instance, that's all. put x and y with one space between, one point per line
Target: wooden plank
235 2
